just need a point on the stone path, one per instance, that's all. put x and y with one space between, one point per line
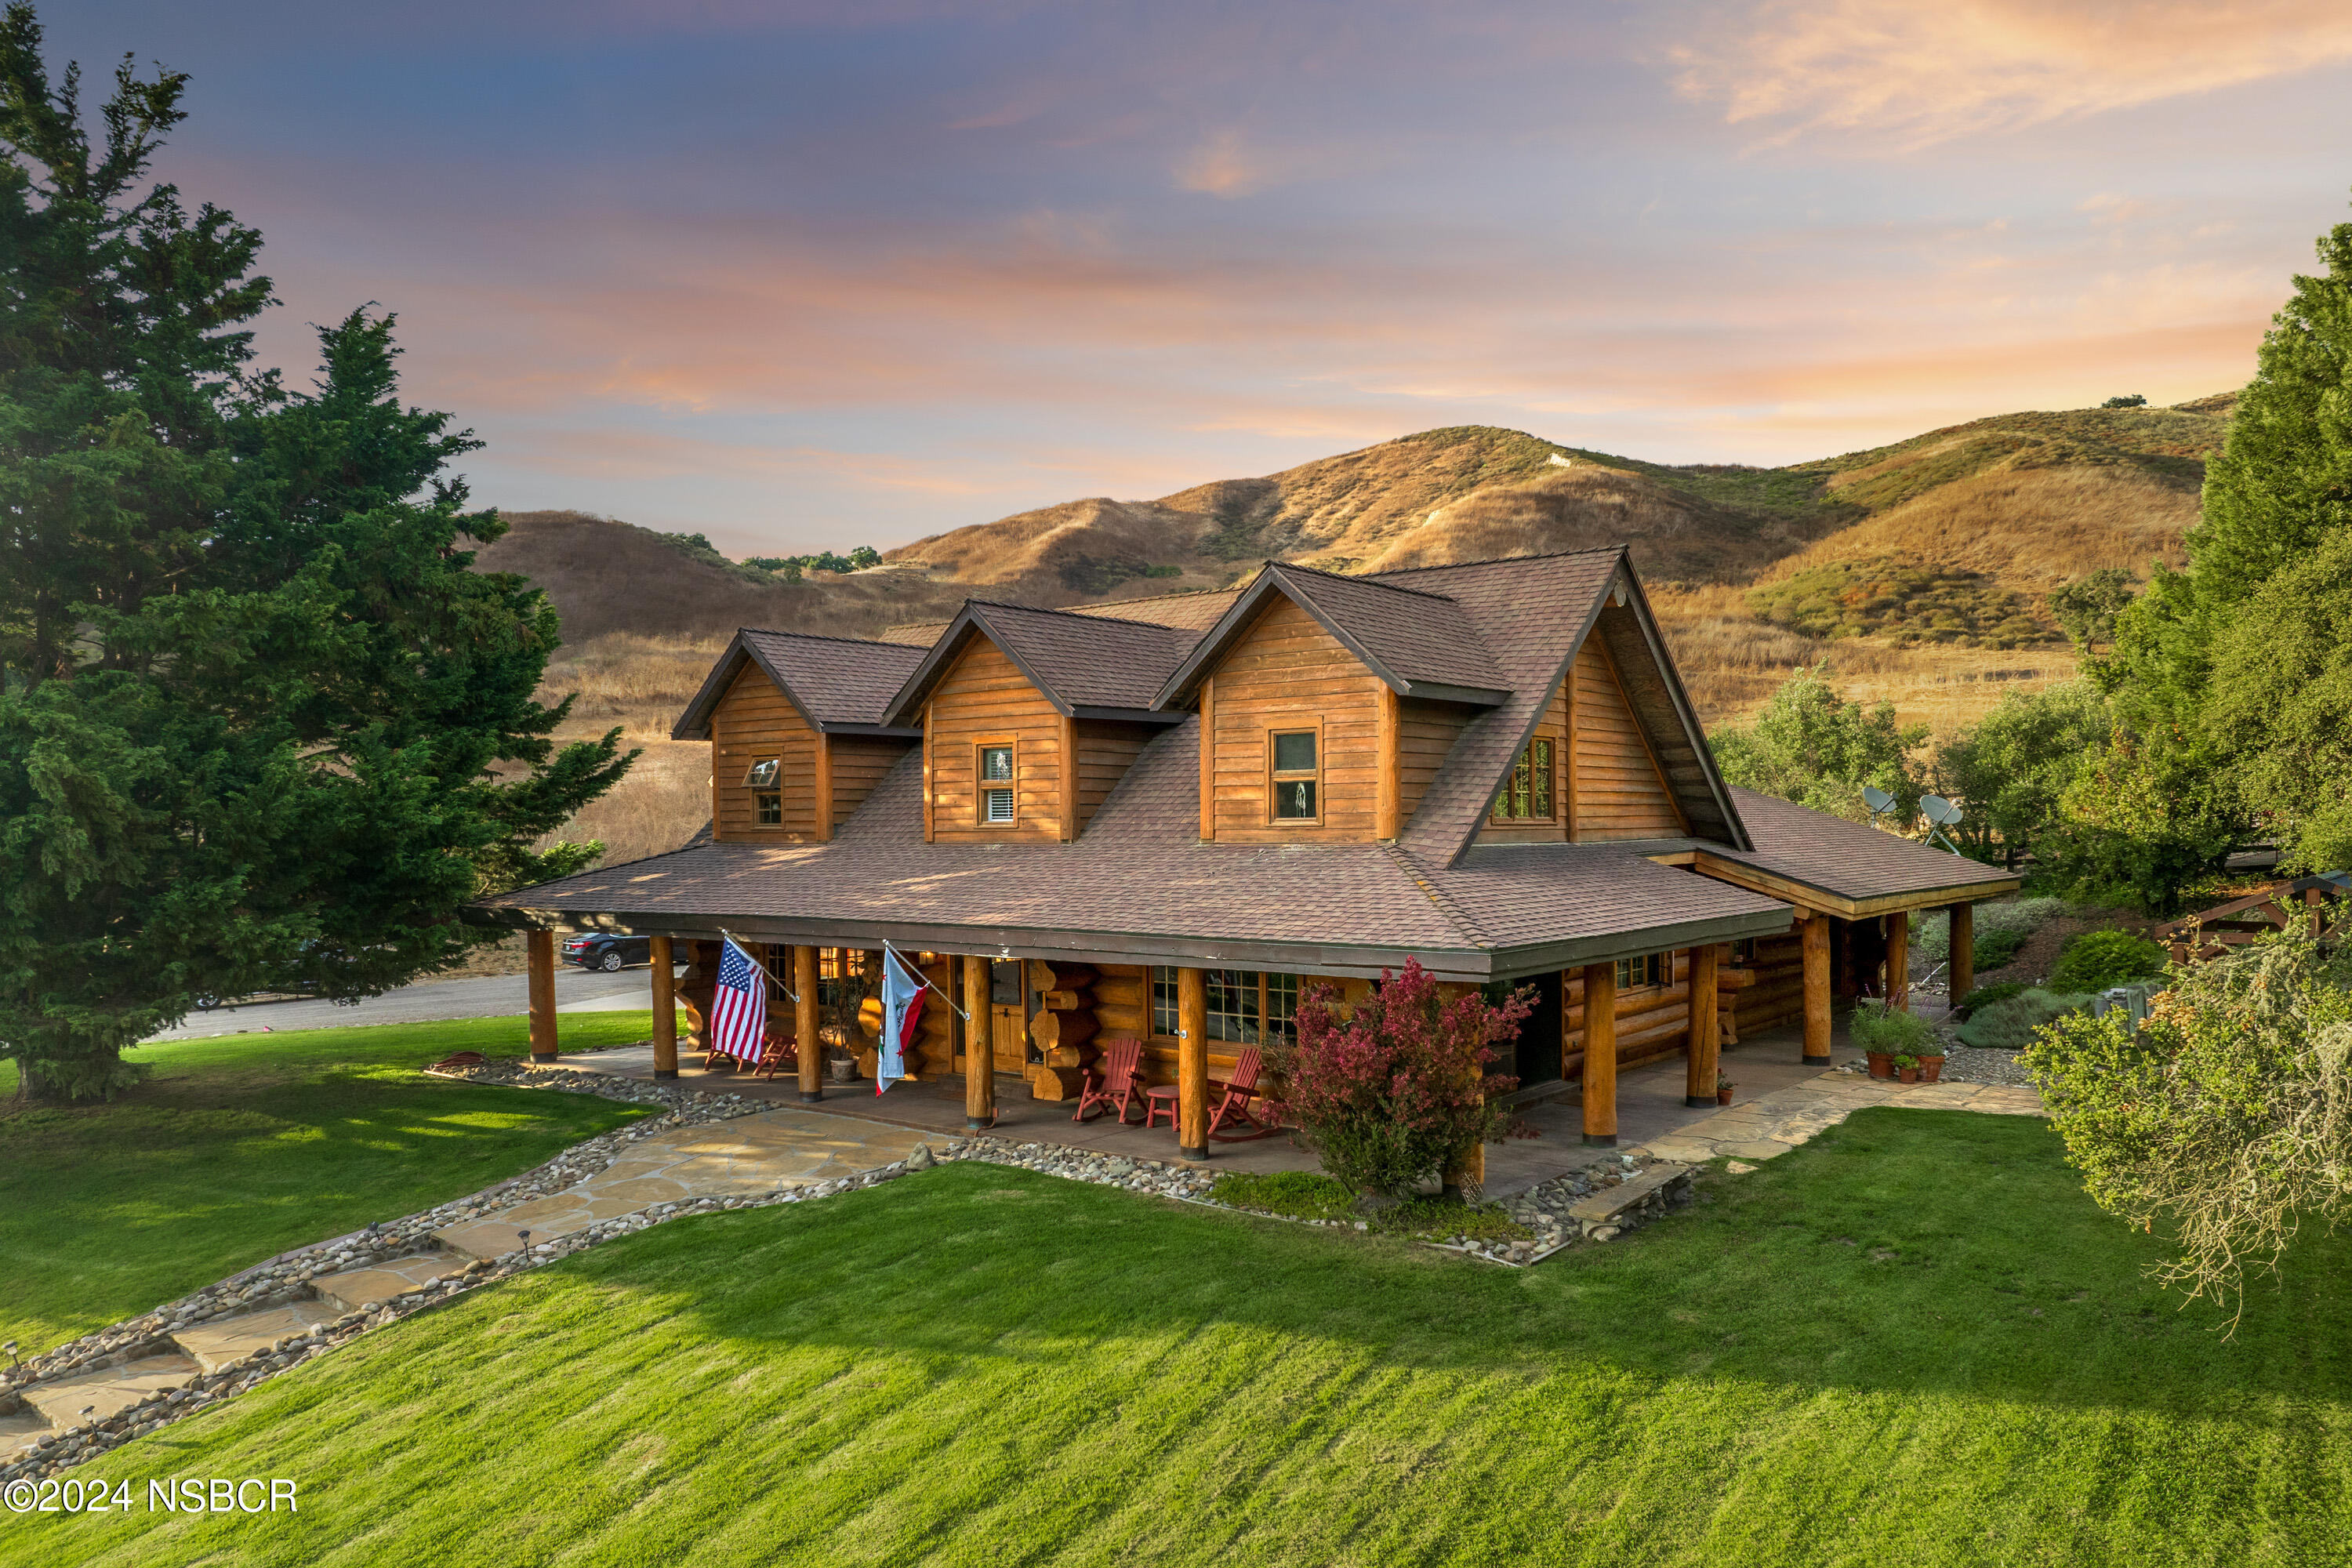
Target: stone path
769 1151
1777 1122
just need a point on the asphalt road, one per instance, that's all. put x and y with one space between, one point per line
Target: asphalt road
481 996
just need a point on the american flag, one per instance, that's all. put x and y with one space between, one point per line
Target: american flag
738 1007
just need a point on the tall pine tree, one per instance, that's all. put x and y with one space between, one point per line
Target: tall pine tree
258 720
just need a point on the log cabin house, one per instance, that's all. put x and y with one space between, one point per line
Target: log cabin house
1160 819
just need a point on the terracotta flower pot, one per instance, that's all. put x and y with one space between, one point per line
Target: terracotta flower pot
1908 1074
1723 1097
1931 1069
1881 1064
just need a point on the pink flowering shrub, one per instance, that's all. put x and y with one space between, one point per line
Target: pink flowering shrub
1398 1091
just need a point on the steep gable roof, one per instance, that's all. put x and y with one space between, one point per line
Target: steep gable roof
1417 641
1091 666
838 684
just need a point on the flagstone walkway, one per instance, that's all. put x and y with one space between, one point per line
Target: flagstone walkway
1774 1124
772 1151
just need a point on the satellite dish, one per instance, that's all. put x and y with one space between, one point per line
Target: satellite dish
1876 798
1939 811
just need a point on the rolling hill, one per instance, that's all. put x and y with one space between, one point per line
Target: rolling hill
1939 550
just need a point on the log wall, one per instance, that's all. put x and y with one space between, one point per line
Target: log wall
1106 751
1618 792
1766 990
1553 726
1652 1021
858 764
755 720
1425 733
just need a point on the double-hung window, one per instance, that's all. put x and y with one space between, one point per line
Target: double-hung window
764 780
996 785
1526 794
1294 774
1244 1006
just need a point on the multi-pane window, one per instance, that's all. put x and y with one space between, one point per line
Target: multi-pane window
1295 776
767 798
1648 969
996 785
1526 794
1244 1006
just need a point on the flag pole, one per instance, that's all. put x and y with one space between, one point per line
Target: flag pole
916 969
762 968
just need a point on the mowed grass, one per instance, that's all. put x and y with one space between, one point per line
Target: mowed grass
1912 1341
241 1146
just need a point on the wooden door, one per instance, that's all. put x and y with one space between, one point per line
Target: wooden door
1008 1025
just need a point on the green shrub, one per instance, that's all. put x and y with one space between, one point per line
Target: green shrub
1984 996
2098 959
1874 1029
2009 1026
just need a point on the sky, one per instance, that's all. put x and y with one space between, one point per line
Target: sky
817 273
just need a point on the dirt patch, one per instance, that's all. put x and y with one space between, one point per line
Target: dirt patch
2039 956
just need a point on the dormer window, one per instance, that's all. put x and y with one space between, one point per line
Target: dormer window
767 793
1294 775
1526 795
996 784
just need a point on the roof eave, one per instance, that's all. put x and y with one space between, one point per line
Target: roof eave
1438 691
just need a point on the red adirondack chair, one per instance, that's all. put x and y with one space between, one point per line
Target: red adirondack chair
1112 1082
1241 1092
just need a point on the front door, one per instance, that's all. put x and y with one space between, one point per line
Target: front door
1008 1020
1538 1057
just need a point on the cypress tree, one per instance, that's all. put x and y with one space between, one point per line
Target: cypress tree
259 722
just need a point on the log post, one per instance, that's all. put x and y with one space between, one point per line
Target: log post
694 994
1817 992
804 1023
664 1009
541 946
1963 947
1699 1080
1600 1055
1193 1064
978 1050
1899 961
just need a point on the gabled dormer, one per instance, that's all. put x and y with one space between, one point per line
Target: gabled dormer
1327 705
796 733
1030 716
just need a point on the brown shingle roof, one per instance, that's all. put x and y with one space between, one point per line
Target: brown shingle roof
1139 881
1081 662
832 681
1850 859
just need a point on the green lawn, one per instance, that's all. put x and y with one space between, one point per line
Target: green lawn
241 1146
1910 1343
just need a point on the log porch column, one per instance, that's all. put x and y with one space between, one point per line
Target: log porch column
1600 1055
1963 948
541 946
1699 1080
1817 991
1193 1064
664 1009
804 1023
978 1050
1899 961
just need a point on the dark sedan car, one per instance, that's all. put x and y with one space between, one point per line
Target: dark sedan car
598 950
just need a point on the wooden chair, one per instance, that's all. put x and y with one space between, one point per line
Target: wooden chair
1111 1082
1241 1092
777 1053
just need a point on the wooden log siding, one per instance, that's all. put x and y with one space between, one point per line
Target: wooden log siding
933 1055
1105 753
859 761
1065 1028
1553 726
1766 990
1426 733
755 720
1618 792
985 699
1286 671
1652 1021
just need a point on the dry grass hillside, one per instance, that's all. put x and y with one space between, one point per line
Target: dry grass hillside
1917 572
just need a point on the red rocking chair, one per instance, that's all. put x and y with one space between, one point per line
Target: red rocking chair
1111 1082
1242 1092
777 1053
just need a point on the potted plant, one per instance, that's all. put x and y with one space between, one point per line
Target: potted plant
1906 1068
1723 1088
1931 1061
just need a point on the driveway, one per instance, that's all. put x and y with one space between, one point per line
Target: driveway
480 996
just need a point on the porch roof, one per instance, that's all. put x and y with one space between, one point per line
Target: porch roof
1848 868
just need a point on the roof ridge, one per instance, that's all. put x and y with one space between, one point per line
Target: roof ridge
1157 598
1039 610
1497 560
1362 577
823 637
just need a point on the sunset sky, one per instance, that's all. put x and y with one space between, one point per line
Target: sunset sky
810 274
